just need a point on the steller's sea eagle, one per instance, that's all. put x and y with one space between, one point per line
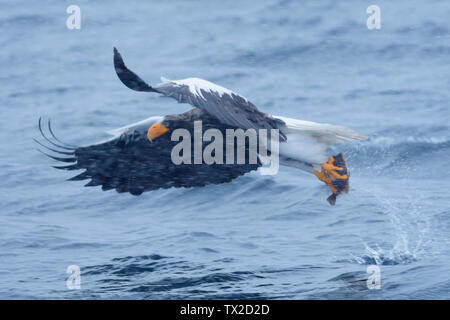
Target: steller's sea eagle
138 157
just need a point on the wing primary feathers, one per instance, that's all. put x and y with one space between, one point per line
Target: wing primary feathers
128 77
82 176
51 142
54 150
58 158
97 180
54 137
69 167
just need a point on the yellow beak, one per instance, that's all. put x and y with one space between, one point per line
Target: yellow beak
155 131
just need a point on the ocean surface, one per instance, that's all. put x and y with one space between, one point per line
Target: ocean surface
259 237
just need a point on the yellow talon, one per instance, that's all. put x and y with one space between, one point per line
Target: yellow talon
331 177
322 176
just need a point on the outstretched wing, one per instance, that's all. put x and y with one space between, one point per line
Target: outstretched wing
131 163
226 106
128 77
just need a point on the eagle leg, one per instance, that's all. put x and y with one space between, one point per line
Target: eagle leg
335 175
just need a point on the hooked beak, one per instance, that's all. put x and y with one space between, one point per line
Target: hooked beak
155 131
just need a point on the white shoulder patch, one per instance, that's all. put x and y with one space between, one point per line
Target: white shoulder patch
141 126
196 85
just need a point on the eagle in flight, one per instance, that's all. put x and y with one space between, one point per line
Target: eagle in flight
137 158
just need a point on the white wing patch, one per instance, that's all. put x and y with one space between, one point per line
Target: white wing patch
196 85
141 126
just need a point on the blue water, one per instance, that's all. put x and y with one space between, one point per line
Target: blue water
271 237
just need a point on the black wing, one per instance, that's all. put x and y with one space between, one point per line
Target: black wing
227 107
128 77
131 163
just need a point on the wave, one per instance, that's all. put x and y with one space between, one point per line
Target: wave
156 276
384 155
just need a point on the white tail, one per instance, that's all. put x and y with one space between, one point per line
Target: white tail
323 132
